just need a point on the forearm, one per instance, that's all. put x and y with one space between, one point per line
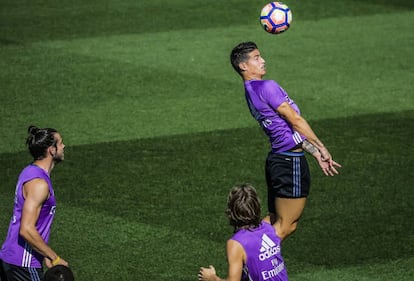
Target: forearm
37 243
311 149
312 144
301 126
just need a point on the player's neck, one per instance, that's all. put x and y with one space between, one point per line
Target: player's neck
248 78
45 164
252 76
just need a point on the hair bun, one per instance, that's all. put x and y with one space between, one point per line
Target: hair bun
32 130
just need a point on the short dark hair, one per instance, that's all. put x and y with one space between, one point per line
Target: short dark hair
243 207
59 273
39 140
240 54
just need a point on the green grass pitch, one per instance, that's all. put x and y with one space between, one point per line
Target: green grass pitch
157 130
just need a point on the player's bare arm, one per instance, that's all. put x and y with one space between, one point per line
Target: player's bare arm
310 148
301 125
235 258
35 193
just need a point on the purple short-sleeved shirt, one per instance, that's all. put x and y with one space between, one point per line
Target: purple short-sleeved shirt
263 98
264 260
15 249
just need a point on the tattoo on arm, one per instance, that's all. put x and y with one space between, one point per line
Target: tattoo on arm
308 147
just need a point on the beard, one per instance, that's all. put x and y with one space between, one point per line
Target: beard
58 158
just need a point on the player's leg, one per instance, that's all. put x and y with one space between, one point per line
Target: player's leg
288 212
288 182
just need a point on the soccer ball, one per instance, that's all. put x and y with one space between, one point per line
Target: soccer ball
275 17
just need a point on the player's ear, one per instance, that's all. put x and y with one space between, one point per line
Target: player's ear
52 151
243 66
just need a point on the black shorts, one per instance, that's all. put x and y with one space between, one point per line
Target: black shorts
17 273
287 176
2 274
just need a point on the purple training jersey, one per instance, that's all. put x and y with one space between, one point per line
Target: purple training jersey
263 98
264 260
15 249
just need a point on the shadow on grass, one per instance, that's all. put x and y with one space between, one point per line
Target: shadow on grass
7 42
181 182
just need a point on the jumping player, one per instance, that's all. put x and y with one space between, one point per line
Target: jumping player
287 172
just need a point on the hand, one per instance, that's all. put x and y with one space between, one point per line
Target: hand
328 167
207 274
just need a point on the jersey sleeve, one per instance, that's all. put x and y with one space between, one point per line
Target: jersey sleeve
273 94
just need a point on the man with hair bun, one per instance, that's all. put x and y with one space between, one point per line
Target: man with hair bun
26 245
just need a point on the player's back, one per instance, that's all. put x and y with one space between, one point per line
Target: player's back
263 251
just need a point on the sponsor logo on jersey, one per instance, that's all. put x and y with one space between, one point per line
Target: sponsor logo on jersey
268 249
